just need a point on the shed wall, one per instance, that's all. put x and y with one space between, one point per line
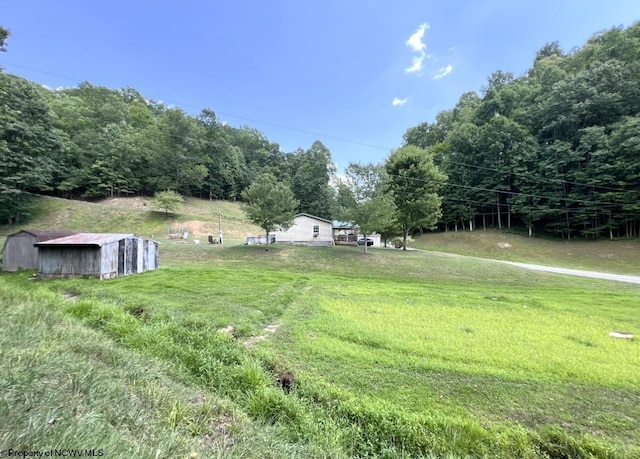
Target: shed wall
19 253
69 261
109 257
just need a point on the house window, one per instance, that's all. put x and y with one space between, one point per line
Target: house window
316 230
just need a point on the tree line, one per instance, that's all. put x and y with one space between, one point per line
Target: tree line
556 150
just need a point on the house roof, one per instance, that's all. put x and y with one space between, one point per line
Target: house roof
84 239
312 216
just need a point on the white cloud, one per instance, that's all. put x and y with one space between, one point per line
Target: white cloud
415 40
416 66
396 102
443 72
418 46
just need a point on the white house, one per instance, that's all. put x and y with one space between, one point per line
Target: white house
307 230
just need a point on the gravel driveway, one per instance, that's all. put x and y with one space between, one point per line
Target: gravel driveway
577 272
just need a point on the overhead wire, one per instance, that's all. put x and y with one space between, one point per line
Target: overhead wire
447 183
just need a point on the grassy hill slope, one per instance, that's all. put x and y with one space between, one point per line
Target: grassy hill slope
134 215
620 256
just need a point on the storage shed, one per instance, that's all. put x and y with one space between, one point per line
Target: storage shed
19 251
100 255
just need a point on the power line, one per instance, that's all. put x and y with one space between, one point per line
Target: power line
507 192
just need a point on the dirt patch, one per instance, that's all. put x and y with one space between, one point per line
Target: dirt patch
228 330
131 203
504 245
256 339
220 431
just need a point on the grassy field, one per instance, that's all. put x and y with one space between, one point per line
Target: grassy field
618 256
133 215
394 354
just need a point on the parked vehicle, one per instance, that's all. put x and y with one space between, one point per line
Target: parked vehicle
369 242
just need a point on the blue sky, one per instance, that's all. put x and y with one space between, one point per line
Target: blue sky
352 74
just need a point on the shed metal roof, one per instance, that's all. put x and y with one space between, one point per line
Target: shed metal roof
85 239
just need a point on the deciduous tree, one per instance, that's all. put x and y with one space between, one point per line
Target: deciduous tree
168 200
365 202
414 181
270 204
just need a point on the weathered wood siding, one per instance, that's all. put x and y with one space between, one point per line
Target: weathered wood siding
150 255
69 261
129 256
109 259
19 253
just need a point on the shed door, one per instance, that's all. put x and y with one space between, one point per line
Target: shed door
121 257
134 256
145 255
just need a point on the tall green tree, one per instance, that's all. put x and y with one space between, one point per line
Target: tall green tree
365 201
269 203
414 180
310 182
29 145
225 162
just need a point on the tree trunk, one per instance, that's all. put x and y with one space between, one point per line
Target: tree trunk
404 238
470 225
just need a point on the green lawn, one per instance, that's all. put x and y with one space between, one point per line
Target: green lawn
619 256
394 351
394 354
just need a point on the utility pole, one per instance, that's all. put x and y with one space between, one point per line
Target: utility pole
219 223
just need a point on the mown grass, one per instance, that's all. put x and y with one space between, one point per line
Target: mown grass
395 354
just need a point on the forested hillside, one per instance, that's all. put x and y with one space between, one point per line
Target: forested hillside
92 142
556 149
